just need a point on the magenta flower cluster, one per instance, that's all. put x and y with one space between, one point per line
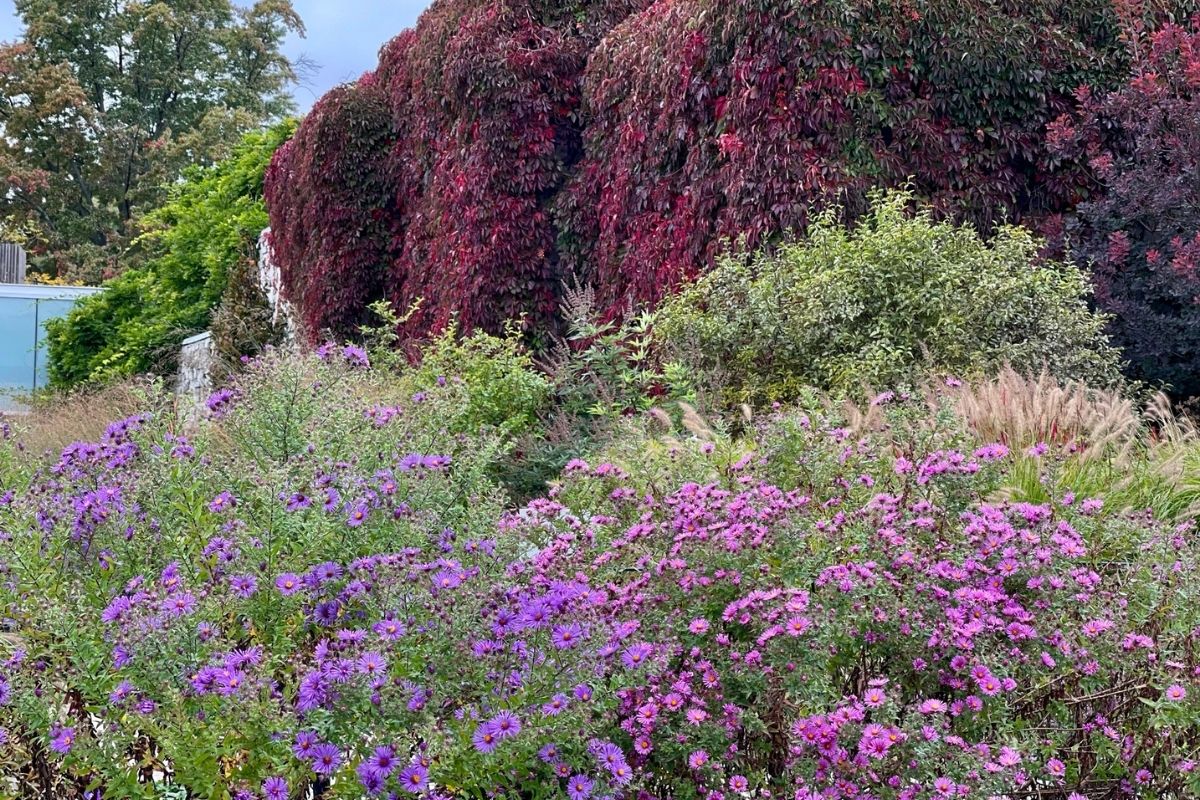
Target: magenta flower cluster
823 615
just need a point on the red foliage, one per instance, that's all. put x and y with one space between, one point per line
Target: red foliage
483 100
763 110
484 95
1141 229
622 142
330 194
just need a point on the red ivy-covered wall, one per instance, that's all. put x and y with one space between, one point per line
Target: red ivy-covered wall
503 146
330 194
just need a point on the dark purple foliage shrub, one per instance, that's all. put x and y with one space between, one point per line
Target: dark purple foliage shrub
1141 229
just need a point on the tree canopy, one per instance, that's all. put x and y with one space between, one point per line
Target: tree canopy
206 231
103 103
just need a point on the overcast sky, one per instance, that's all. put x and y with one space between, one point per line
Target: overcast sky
344 37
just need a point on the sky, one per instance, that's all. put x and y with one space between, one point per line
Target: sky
343 41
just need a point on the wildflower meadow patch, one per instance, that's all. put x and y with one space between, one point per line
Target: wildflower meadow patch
323 592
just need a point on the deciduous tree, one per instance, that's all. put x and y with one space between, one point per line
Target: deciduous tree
103 102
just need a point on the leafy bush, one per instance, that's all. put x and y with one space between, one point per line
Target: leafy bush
1141 231
896 297
322 591
500 148
503 389
209 226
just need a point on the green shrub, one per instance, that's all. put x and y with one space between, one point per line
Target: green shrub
210 225
503 388
896 296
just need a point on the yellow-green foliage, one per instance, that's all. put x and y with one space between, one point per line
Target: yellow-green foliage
503 389
895 297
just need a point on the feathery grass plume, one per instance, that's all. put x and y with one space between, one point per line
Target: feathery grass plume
1021 411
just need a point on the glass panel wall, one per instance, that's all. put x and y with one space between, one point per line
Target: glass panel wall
24 310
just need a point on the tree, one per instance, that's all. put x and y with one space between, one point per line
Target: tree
104 102
199 245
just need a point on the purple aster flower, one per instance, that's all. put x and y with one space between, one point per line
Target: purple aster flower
435 462
230 681
355 356
414 779
372 782
505 725
218 402
636 655
288 583
325 759
579 787
484 738
297 501
447 579
383 760
327 613
118 695
389 629
609 755
243 585
583 692
169 578
358 514
564 637
179 605
305 742
222 502
62 739
326 572
5 690
558 703
275 788
372 664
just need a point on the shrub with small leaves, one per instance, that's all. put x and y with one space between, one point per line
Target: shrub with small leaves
888 301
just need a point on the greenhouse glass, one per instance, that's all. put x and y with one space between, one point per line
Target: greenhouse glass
24 310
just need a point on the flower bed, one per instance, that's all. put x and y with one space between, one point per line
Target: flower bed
323 591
